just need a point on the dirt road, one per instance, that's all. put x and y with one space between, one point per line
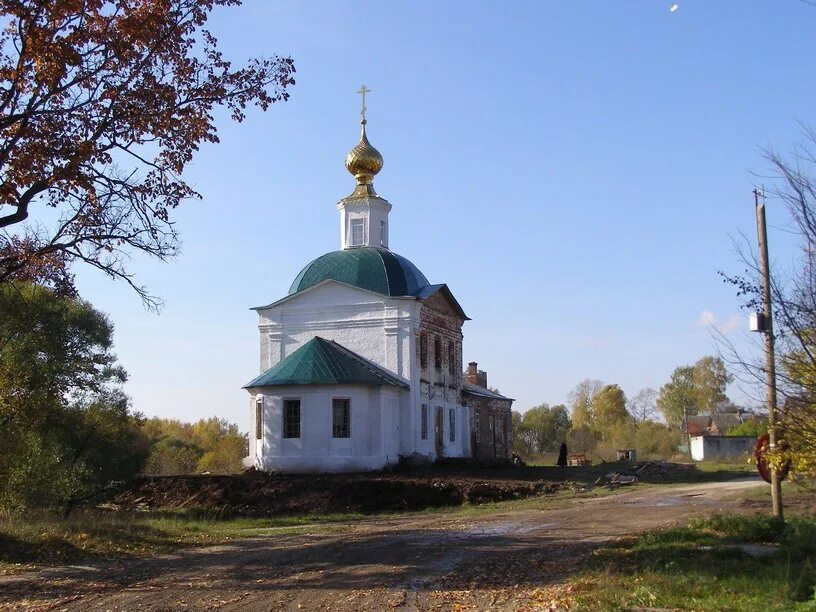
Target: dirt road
508 560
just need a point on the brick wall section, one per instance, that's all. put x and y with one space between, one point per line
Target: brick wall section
491 427
438 321
491 423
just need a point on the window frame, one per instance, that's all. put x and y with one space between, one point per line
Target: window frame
423 422
452 424
361 223
347 418
452 358
287 431
259 415
437 352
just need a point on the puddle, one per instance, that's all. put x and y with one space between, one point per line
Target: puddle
512 528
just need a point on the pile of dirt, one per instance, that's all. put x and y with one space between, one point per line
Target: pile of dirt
661 468
263 495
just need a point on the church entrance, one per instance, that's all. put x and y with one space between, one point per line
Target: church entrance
439 432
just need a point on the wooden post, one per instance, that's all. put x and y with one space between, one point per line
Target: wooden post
770 362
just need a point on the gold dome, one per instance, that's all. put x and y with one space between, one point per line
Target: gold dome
364 161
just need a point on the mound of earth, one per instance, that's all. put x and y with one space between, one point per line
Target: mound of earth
263 495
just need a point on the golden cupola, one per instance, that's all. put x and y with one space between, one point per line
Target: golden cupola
364 162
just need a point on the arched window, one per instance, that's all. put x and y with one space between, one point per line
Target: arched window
423 350
437 353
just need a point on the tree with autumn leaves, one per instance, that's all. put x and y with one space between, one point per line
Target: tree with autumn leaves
102 106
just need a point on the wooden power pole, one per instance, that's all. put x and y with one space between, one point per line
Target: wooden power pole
770 361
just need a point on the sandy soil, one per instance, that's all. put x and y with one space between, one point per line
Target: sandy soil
507 560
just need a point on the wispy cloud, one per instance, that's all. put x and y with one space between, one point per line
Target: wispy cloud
706 318
726 326
732 323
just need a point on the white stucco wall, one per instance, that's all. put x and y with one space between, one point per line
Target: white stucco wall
376 327
373 211
374 440
721 447
381 329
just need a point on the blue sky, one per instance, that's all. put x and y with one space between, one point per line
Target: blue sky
574 171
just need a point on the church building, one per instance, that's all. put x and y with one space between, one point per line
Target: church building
362 361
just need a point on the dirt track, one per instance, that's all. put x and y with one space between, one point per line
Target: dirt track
509 560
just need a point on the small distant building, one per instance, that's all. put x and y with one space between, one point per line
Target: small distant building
491 429
717 424
721 447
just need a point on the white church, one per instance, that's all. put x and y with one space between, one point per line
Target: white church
361 363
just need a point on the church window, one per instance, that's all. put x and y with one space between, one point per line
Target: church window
341 418
383 234
452 414
424 424
437 353
357 232
423 350
259 419
451 358
291 418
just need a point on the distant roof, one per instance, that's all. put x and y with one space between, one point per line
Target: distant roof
324 362
468 387
372 268
726 420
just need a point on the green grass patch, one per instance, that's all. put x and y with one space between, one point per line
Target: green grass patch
47 539
724 562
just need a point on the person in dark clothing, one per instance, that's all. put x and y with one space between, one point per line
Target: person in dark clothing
562 455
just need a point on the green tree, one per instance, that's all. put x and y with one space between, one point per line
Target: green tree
207 433
710 382
609 407
172 457
677 398
226 455
545 427
520 441
695 389
176 447
750 427
65 425
581 401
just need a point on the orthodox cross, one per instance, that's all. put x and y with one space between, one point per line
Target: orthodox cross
363 91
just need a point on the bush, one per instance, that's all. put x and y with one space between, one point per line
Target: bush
66 429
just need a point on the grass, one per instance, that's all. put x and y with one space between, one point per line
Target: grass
47 539
703 566
695 472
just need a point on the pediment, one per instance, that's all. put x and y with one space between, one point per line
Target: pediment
440 298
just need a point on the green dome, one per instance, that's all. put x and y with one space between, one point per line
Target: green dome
371 268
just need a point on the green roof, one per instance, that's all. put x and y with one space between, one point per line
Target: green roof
378 270
324 362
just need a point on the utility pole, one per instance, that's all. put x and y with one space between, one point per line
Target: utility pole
770 362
